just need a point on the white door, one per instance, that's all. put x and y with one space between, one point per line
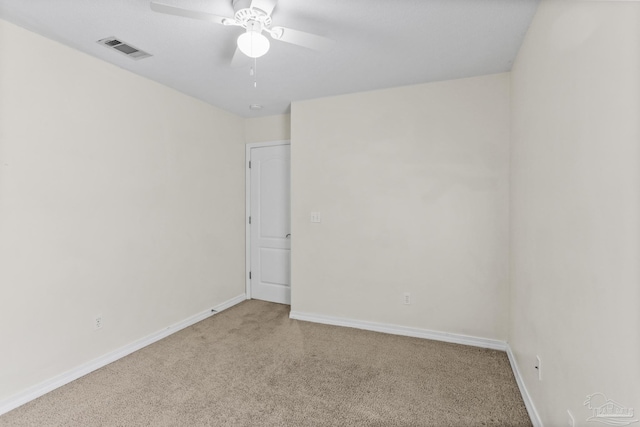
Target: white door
270 227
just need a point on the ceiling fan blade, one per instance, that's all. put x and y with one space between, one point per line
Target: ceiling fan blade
239 59
172 10
301 38
264 5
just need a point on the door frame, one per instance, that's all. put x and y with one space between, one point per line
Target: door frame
247 204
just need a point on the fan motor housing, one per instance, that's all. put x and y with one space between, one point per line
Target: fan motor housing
245 16
244 13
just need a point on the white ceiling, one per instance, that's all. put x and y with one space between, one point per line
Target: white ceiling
378 44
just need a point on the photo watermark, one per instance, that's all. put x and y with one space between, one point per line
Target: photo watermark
608 411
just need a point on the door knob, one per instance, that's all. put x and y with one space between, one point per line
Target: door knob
287 236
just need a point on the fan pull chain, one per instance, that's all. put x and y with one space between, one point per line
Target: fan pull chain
252 73
255 72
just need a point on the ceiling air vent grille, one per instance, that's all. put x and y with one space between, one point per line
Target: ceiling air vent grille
124 48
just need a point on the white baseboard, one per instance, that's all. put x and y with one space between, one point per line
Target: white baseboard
38 390
401 330
228 304
431 335
526 397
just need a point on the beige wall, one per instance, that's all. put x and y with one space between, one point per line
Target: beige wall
412 188
118 197
270 128
575 205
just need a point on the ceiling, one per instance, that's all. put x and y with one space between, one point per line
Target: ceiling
378 44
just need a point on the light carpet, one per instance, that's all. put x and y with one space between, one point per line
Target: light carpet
253 366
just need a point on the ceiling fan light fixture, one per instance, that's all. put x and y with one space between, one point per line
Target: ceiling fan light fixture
253 43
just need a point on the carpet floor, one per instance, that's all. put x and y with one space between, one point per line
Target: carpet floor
253 366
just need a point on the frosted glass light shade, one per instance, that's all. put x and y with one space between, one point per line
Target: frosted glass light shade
253 44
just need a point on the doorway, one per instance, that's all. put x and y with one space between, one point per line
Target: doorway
269 222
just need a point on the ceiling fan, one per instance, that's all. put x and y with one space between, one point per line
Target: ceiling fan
255 17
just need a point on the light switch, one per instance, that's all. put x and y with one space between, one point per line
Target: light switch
315 216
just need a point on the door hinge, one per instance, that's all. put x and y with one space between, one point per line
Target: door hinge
249 164
249 220
249 275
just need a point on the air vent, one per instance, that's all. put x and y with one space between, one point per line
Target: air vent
124 48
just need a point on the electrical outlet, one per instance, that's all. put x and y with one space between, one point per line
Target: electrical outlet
539 367
97 322
315 216
406 298
571 422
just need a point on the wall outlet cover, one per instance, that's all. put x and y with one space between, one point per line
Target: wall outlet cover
406 298
97 322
